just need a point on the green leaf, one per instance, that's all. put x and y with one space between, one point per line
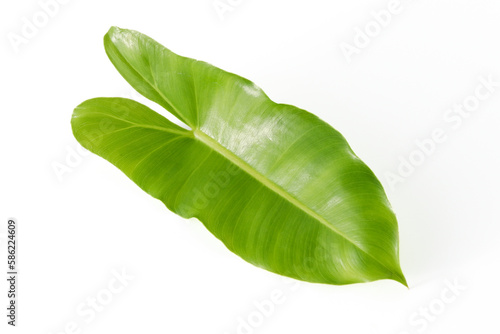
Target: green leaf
278 186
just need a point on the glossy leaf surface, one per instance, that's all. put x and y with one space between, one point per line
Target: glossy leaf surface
278 186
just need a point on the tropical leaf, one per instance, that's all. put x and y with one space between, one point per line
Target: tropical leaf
278 186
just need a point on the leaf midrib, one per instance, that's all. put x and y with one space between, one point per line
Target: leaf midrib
216 146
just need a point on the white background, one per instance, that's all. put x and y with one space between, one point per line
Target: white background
78 229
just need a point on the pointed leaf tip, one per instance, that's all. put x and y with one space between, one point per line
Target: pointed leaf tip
399 277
